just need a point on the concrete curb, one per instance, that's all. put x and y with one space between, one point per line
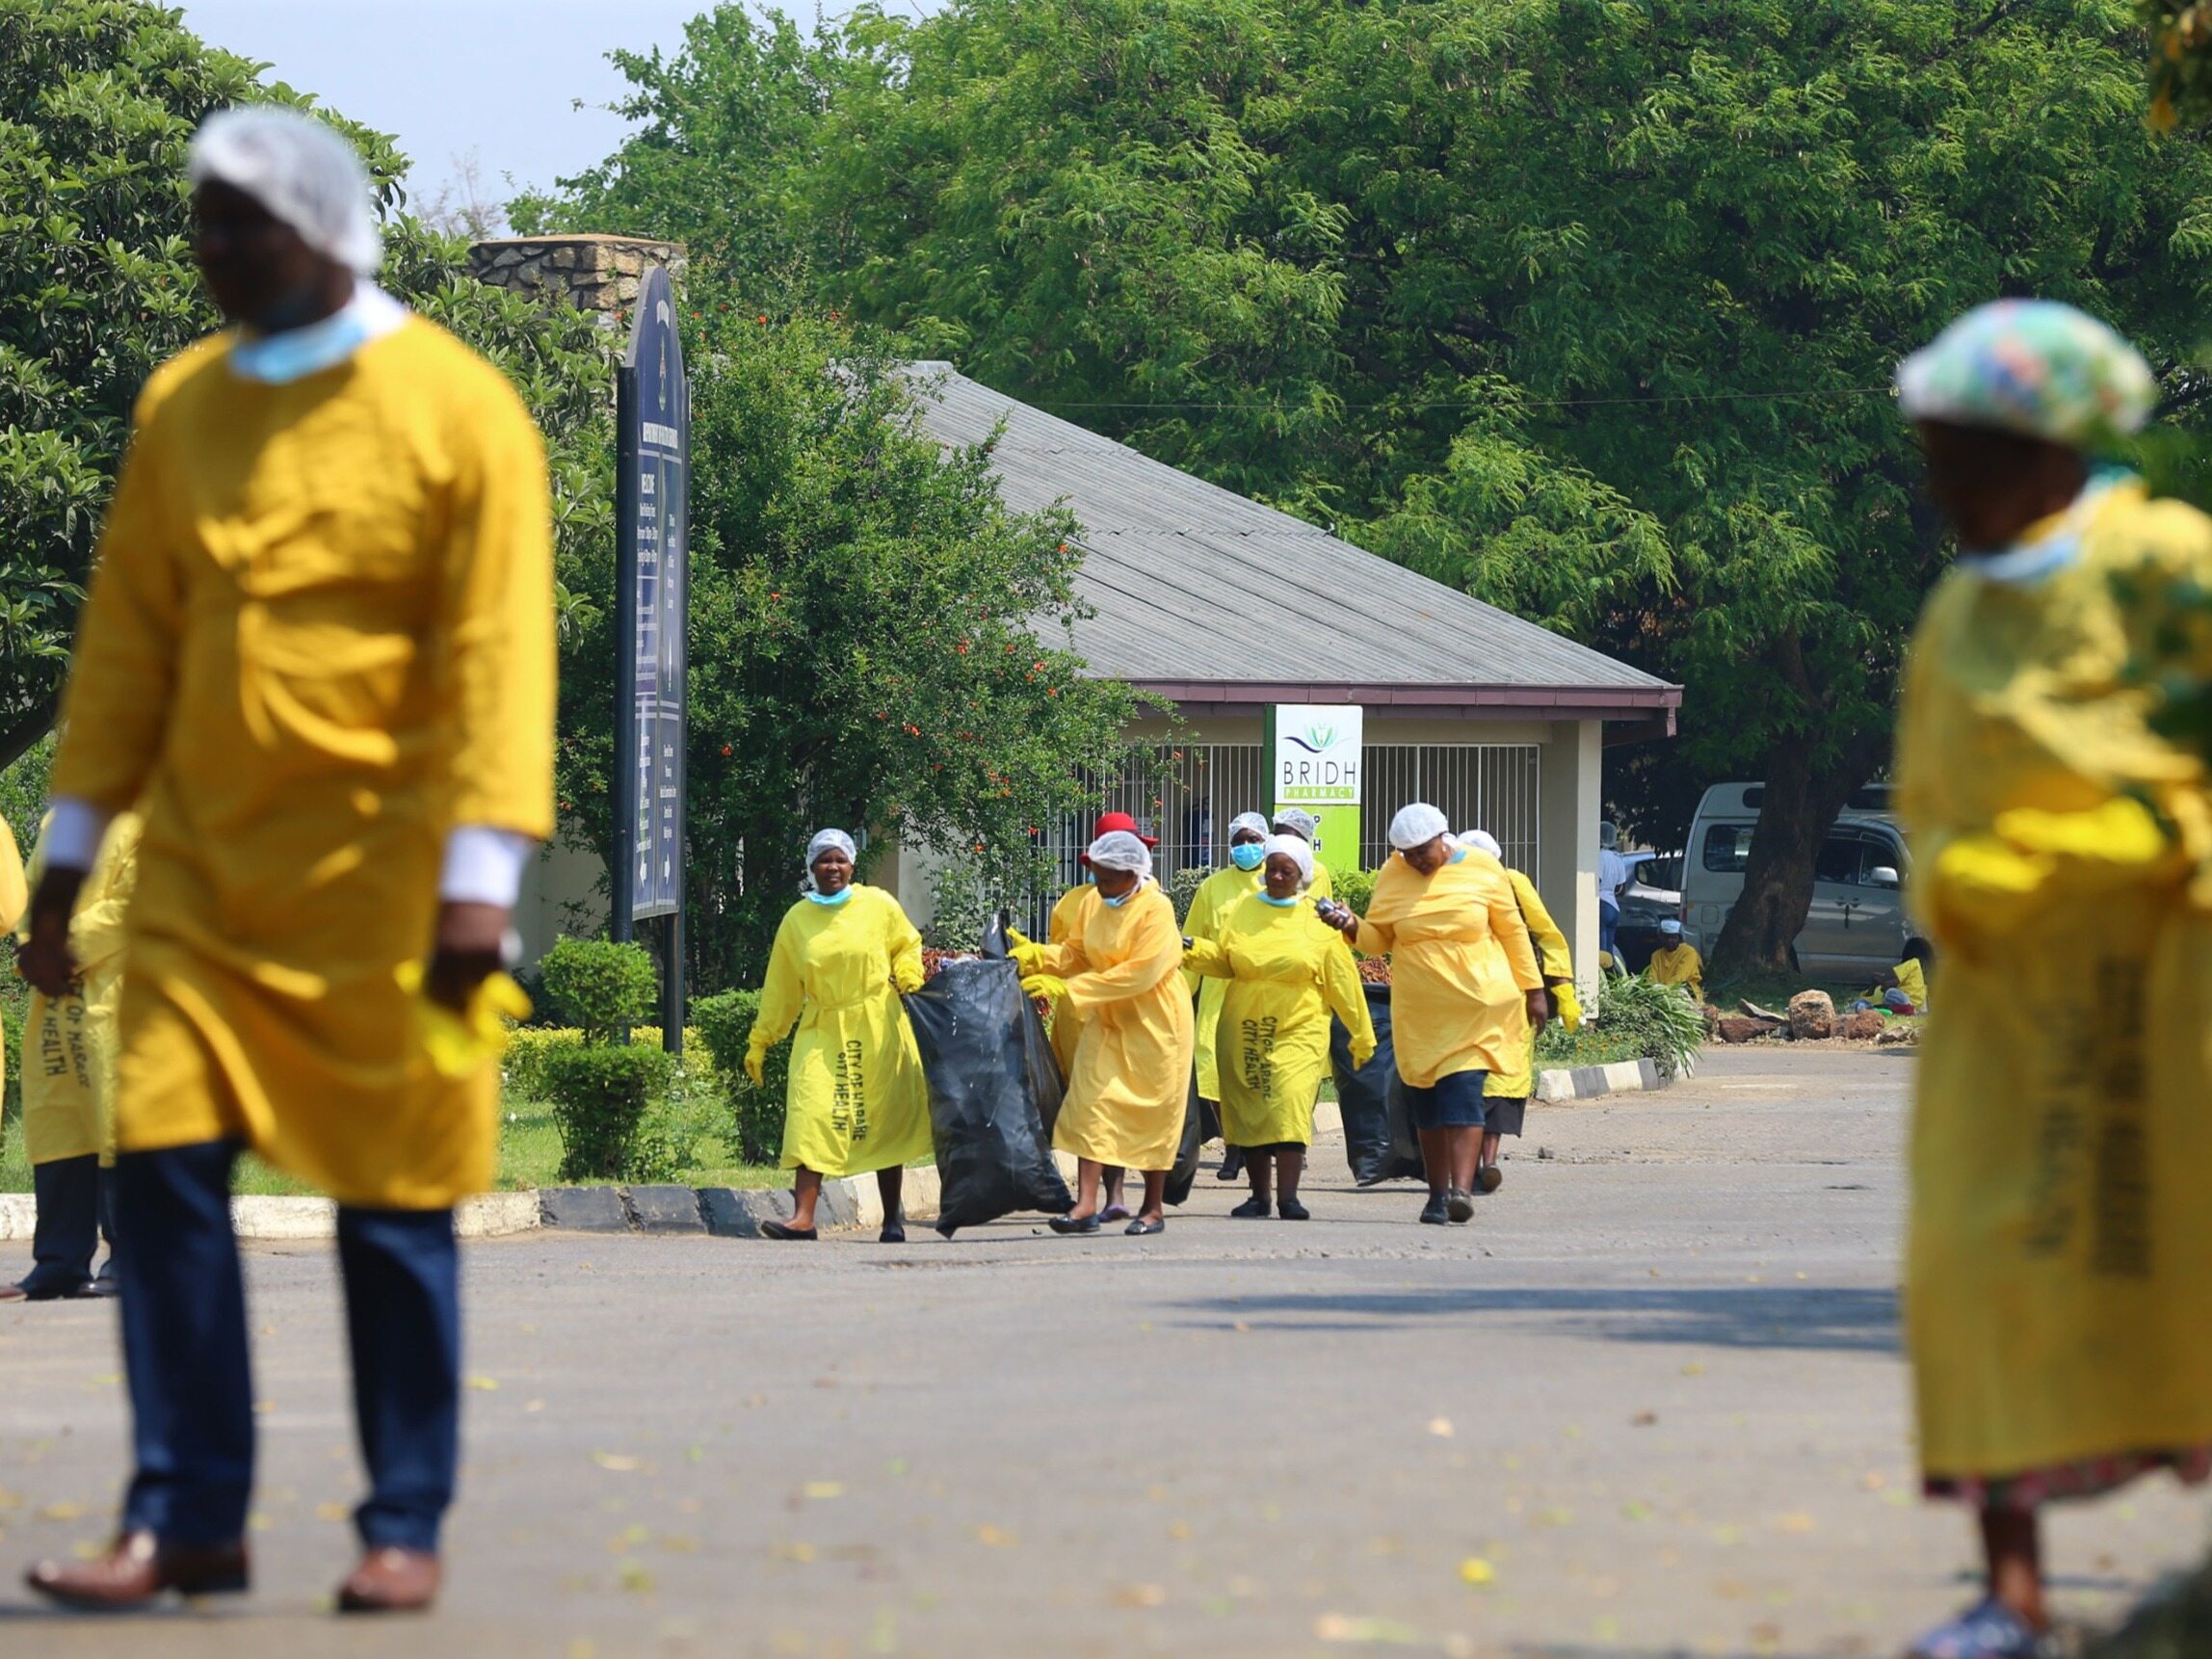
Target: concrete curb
1589 1082
490 1215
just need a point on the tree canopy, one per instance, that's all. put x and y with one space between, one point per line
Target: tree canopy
1586 306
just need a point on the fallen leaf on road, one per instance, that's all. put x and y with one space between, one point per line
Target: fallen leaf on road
896 1467
1383 1632
635 1576
1636 1510
617 1461
1241 1324
1141 1596
1476 1571
823 1489
795 1552
1440 1427
993 1537
1179 1530
61 1511
535 1406
484 1385
1798 1523
1644 1419
679 1543
1557 1516
1873 1479
1693 1369
332 1513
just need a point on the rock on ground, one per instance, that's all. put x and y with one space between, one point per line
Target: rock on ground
1812 1016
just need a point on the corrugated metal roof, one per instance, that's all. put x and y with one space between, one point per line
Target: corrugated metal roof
1164 549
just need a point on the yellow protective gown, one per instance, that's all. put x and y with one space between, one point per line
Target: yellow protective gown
1131 1080
2059 1271
320 634
857 1100
1680 964
1217 896
69 1042
1284 971
15 890
1558 969
1066 1023
1461 965
1913 982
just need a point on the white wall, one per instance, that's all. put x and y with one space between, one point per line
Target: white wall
1572 788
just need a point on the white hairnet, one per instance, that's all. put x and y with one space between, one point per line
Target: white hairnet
1294 849
1608 835
825 839
1244 821
1485 840
1119 850
1297 823
303 173
1671 927
1416 824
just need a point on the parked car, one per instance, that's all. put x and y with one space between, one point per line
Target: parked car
1857 923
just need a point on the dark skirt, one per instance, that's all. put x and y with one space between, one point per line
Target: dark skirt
1507 1113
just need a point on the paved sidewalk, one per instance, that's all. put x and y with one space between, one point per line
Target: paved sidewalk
1652 1390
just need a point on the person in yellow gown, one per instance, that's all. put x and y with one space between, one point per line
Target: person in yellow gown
2058 1292
1067 1029
69 1085
856 1101
1284 972
1217 896
1297 820
1464 990
1122 972
1677 961
317 656
1505 1095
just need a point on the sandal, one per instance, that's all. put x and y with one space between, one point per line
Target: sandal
1073 1224
1253 1209
1140 1229
1114 1213
785 1230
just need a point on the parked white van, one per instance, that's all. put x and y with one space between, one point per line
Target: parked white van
1857 923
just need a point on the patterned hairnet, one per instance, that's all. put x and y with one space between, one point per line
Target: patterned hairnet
2034 367
1297 822
1244 821
1294 849
1119 850
1417 825
303 173
825 839
1484 839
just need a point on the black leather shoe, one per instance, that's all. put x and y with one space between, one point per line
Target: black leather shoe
785 1230
1140 1229
1253 1209
1432 1213
1491 1178
1073 1224
1291 1210
1459 1205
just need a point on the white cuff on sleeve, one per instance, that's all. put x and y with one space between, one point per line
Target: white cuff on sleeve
484 866
74 834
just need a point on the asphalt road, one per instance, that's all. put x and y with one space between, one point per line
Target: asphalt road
1649 1401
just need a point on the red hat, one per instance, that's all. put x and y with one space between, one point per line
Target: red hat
1109 822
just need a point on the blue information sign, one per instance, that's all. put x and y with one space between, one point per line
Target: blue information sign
653 414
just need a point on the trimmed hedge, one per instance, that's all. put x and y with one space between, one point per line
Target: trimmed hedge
600 1096
598 984
724 1024
522 1069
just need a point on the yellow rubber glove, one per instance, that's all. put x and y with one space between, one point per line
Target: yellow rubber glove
1362 1051
1570 1005
1049 986
756 1066
1016 938
1028 955
900 981
460 1044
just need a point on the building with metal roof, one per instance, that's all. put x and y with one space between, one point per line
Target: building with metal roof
1497 720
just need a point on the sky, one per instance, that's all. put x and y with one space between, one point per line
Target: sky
494 79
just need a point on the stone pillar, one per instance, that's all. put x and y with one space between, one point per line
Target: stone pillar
599 274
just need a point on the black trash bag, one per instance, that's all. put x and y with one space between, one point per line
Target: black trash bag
994 1091
1187 1153
1378 1140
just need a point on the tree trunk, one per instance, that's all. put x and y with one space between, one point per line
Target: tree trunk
1794 815
22 733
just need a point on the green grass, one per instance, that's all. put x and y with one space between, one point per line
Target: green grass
1773 992
1592 1045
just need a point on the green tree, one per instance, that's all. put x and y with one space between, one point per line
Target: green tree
98 100
866 618
1588 306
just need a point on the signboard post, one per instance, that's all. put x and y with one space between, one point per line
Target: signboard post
1314 755
652 418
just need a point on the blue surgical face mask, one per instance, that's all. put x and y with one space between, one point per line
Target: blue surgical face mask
828 899
1279 904
1249 854
1117 903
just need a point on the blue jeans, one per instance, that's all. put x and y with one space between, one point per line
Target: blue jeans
1608 924
183 1304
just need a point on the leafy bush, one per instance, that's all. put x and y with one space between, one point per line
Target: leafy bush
599 1098
960 911
1667 1026
1354 888
725 1026
678 1127
599 985
1183 887
522 1072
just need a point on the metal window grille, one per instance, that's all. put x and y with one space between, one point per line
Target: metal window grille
1492 787
1187 794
